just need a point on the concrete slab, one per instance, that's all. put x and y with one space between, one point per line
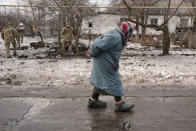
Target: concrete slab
11 112
72 114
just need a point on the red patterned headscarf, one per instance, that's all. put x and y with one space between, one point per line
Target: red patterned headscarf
126 28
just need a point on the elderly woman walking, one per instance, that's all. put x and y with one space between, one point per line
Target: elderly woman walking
106 51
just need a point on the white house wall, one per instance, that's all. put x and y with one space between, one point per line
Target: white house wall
101 23
173 22
105 22
152 30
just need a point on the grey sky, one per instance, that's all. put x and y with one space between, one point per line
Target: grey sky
100 2
10 2
5 2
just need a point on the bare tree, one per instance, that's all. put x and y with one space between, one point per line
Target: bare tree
163 27
65 11
69 11
10 14
142 13
36 11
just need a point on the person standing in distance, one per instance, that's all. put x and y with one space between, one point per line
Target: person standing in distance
21 32
10 35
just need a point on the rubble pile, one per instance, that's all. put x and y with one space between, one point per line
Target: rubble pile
40 50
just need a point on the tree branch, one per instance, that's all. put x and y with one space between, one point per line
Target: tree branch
155 2
137 22
158 27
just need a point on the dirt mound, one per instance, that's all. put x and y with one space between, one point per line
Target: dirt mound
37 45
40 50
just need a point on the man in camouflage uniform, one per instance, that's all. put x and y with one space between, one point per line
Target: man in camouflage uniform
67 39
34 30
9 34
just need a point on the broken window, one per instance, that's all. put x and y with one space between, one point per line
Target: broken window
154 21
183 22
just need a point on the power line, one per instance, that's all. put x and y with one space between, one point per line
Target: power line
114 7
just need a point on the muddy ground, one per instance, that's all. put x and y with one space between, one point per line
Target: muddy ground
140 67
42 90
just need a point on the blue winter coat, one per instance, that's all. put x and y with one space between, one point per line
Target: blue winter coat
106 51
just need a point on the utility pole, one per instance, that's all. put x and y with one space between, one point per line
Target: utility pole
18 11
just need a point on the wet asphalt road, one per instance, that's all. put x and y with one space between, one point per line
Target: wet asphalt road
154 111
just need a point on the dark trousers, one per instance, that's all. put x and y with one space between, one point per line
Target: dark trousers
97 92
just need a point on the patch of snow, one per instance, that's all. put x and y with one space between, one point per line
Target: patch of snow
138 66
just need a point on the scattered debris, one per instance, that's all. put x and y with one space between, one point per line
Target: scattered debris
126 126
37 45
23 48
10 79
38 50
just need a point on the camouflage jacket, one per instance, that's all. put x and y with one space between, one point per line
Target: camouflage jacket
9 34
68 33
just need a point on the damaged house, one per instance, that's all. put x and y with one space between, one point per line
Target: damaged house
182 19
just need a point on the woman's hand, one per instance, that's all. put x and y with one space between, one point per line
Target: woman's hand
88 53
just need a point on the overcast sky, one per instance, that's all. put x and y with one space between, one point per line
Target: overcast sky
100 2
5 2
9 2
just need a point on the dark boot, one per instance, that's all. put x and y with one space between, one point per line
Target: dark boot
96 104
123 107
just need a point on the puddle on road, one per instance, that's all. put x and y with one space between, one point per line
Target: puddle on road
108 120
